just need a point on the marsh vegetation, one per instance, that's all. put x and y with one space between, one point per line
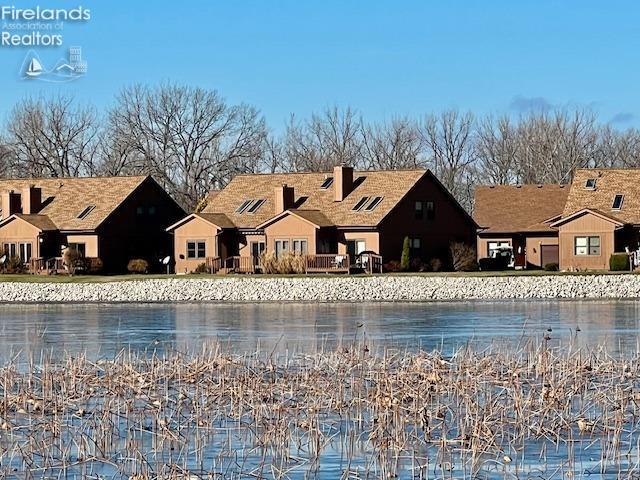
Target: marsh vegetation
352 412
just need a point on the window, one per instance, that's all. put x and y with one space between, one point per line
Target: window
139 210
494 249
587 246
373 204
617 202
22 250
430 207
81 248
152 210
257 249
327 183
243 206
256 205
355 248
85 213
282 246
299 247
196 249
415 244
419 210
25 252
360 203
11 250
590 184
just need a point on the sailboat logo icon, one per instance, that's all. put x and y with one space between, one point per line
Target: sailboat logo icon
65 69
34 69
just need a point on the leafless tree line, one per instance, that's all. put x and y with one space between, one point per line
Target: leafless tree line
193 141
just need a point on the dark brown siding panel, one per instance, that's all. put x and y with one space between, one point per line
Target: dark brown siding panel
450 223
137 229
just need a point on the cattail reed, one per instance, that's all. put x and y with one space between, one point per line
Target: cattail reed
351 413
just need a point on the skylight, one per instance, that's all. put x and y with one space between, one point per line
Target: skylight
617 202
373 204
327 183
256 205
243 206
590 184
358 206
85 213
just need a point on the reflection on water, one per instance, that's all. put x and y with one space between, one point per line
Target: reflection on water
102 330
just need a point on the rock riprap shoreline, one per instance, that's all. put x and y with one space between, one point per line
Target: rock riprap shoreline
332 289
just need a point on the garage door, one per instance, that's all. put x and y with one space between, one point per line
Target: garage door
549 254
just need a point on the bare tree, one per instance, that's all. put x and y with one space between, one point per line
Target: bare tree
450 146
189 138
52 137
394 145
324 141
496 149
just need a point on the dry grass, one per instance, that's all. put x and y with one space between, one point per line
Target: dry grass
501 413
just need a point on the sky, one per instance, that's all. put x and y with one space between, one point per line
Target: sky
383 59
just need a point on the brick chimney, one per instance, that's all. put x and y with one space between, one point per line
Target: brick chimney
31 199
284 198
342 182
10 203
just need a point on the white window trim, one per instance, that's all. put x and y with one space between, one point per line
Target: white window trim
196 257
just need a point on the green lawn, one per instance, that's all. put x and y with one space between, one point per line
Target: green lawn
120 278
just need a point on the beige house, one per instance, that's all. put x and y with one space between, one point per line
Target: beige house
111 218
520 217
334 219
601 216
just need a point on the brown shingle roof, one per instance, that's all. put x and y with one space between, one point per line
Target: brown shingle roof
64 198
316 217
219 219
512 208
609 183
41 222
392 185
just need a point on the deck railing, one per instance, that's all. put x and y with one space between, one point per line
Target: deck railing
214 264
235 264
40 265
326 263
370 263
238 264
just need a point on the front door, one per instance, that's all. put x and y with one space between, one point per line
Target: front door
257 249
354 248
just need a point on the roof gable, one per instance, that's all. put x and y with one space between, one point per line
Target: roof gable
392 186
217 220
64 199
608 184
313 217
41 222
587 211
518 208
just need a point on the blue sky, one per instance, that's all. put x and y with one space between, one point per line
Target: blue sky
381 58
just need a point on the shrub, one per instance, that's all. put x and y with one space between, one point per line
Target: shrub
73 260
284 264
619 262
463 257
94 265
14 265
201 268
552 267
138 265
493 264
405 259
417 265
435 264
393 266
